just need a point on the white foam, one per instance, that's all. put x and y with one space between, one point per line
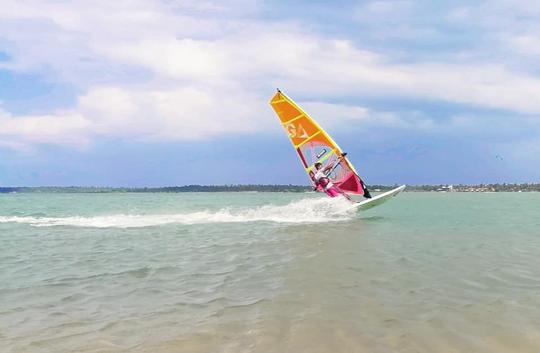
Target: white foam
303 211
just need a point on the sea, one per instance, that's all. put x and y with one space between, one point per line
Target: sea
269 272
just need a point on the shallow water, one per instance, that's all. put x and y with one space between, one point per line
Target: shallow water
269 272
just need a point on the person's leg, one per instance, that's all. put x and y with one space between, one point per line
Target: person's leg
340 192
332 192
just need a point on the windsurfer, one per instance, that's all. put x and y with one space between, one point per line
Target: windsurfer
322 180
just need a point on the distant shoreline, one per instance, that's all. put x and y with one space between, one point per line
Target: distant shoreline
525 187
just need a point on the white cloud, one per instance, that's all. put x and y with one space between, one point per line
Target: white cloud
178 71
387 6
336 112
179 114
524 44
183 114
64 128
336 116
174 58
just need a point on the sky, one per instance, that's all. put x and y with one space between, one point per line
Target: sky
159 93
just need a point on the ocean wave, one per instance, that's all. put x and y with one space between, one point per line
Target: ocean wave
302 211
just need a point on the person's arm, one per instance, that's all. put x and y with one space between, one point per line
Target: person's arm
314 179
328 167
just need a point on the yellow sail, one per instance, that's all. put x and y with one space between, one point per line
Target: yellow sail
314 145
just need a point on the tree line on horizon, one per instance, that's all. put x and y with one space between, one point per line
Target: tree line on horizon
504 187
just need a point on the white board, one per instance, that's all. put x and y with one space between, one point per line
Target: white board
379 199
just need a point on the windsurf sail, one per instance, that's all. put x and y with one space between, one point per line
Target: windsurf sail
314 145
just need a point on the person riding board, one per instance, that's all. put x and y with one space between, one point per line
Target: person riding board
322 180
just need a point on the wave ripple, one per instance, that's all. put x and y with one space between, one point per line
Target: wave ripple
303 211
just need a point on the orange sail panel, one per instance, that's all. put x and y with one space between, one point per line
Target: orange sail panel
314 145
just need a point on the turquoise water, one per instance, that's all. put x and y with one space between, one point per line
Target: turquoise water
269 272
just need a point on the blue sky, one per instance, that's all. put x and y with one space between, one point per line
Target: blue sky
154 93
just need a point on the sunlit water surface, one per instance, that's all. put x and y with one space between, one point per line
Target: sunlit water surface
269 272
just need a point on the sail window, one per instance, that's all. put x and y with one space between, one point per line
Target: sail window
322 153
